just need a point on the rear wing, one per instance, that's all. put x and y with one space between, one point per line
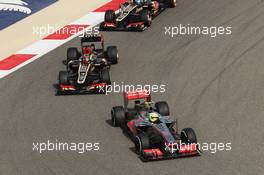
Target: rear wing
92 38
136 95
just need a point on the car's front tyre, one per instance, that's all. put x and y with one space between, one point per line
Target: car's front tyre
64 77
188 136
142 142
110 16
105 76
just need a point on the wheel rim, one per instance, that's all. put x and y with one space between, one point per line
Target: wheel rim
186 137
138 144
114 18
117 57
174 2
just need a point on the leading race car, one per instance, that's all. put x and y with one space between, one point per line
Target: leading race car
88 70
153 130
135 15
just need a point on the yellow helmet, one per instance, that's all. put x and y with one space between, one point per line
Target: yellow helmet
153 117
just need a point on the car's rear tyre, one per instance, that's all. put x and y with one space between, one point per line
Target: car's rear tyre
141 142
188 136
112 54
72 54
162 108
117 116
146 17
110 16
64 77
171 3
105 76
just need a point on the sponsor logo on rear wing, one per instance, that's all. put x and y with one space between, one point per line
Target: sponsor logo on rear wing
134 95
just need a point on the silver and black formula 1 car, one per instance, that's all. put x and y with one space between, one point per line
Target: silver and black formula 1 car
153 130
88 70
134 15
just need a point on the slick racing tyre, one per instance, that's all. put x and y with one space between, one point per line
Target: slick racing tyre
146 17
188 136
110 16
117 116
112 54
142 142
64 77
162 108
72 54
105 76
171 3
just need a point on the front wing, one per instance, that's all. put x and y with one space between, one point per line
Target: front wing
136 26
158 154
95 88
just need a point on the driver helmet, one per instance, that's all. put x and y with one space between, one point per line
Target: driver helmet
87 51
153 117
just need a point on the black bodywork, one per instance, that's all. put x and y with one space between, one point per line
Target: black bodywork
133 17
87 74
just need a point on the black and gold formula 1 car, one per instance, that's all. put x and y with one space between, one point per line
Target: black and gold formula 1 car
88 70
134 15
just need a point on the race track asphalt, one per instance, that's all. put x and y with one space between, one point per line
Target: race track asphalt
214 85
